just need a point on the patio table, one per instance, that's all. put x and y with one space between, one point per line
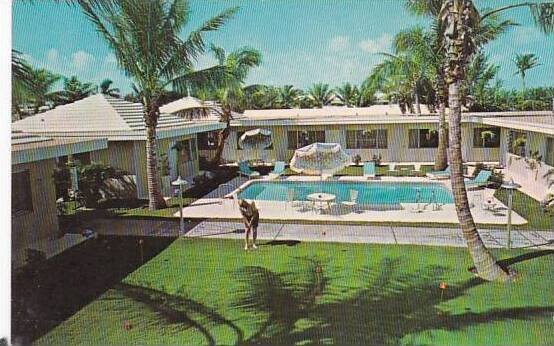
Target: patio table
321 198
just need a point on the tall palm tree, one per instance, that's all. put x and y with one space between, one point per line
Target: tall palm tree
22 83
145 38
74 90
230 93
106 89
321 94
525 62
458 17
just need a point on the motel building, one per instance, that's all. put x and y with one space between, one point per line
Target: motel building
518 138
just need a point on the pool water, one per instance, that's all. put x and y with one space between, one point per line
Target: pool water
368 192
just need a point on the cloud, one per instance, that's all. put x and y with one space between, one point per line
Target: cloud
52 55
81 59
339 43
110 59
380 44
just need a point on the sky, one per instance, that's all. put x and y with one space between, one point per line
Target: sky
302 42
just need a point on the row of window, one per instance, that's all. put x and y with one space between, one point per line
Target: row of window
483 137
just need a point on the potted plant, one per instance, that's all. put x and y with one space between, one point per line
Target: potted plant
377 159
357 159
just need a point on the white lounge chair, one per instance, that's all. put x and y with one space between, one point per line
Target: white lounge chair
369 170
353 201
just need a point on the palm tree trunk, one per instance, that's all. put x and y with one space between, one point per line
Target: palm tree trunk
155 198
417 104
486 265
221 139
441 159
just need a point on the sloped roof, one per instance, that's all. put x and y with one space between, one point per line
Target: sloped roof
28 147
102 115
535 123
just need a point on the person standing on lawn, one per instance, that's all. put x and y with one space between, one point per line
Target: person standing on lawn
251 218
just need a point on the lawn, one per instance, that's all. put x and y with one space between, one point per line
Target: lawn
212 292
530 209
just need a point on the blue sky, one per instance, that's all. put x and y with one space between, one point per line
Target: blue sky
302 41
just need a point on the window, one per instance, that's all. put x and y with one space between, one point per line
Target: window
517 141
186 150
366 139
240 133
549 159
299 139
486 137
22 200
207 140
423 138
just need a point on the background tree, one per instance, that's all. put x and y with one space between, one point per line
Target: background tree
288 96
74 90
42 83
22 86
348 94
106 89
525 62
145 37
321 94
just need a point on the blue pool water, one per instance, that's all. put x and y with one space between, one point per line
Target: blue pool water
368 192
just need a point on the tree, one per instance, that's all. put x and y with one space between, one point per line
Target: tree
74 90
525 62
288 96
348 94
22 83
107 90
145 38
231 94
42 83
321 94
459 18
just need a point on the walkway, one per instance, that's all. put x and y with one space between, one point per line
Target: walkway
326 233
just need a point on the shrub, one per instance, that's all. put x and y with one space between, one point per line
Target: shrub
91 182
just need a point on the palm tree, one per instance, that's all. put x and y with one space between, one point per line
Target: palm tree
321 94
22 78
458 18
106 90
288 96
231 94
42 83
525 62
348 94
145 38
74 90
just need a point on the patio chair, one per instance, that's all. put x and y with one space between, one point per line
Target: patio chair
353 202
392 169
245 170
369 170
482 179
445 174
291 195
278 170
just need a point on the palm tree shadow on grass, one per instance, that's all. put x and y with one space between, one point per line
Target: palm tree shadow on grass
391 305
177 311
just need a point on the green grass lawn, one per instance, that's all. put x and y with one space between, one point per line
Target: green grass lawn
213 292
529 208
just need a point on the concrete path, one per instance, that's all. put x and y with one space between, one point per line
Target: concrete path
325 233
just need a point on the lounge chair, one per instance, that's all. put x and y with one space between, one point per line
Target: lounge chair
278 170
369 169
353 202
445 174
482 179
245 170
326 176
392 169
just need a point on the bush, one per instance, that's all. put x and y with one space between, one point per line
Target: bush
91 182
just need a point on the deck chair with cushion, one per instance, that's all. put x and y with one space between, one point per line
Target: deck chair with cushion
245 170
278 170
482 179
369 170
445 174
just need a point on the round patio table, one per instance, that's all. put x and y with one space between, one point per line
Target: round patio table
321 198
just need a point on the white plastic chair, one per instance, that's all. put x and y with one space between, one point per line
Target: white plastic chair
353 202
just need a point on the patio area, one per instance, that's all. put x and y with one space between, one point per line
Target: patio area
219 205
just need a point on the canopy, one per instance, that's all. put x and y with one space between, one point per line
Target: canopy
319 159
257 139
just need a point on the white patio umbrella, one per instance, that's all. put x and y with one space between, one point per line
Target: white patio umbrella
319 159
257 139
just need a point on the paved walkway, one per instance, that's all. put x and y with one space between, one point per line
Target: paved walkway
326 233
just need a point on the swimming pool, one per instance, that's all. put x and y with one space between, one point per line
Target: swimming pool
368 192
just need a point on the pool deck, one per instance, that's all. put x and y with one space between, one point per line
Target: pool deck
218 205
